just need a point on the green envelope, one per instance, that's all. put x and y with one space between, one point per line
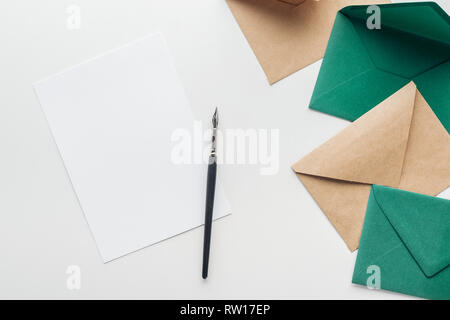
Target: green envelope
363 67
406 236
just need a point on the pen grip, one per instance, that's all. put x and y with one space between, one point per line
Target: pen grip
210 191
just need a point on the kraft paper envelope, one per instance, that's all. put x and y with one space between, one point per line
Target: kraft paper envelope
287 38
293 2
400 143
363 67
406 240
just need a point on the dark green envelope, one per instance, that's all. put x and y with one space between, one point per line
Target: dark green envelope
406 235
363 67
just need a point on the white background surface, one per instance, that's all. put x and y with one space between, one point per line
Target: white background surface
277 243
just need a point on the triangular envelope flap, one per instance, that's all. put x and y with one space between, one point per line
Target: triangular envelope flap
344 87
424 19
371 149
285 38
406 54
426 167
422 223
344 203
434 87
343 90
344 45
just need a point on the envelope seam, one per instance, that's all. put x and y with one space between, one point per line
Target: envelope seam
343 83
398 235
393 248
382 256
407 142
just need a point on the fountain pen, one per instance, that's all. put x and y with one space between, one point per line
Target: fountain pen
210 191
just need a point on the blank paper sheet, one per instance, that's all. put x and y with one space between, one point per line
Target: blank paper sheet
112 118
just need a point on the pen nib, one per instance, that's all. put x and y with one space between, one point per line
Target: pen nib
215 119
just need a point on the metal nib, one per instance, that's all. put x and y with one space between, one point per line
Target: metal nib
215 119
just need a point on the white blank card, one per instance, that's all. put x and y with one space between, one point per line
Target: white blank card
112 119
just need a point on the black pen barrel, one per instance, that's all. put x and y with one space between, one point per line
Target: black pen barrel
210 191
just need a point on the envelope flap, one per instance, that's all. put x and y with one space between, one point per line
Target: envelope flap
424 19
371 149
402 50
422 223
345 58
405 44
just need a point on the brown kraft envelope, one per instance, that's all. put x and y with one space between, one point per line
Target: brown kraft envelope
284 37
294 2
400 143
